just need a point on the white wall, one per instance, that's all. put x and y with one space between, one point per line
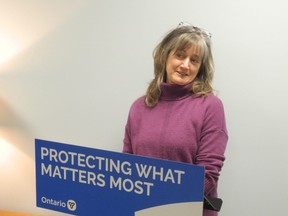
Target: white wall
69 71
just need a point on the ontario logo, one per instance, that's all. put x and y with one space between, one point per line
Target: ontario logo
70 204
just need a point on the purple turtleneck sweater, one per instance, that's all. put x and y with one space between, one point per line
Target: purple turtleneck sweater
181 127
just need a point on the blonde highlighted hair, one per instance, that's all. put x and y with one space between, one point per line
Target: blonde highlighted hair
181 38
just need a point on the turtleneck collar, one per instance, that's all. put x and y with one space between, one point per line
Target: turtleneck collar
174 92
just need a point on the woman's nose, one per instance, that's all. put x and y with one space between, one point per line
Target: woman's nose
185 63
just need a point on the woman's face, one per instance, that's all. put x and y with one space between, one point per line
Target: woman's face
182 66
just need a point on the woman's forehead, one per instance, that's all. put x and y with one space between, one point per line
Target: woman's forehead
193 48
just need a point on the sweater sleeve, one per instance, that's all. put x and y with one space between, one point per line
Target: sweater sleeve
127 146
213 141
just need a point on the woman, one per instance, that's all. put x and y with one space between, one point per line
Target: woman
180 118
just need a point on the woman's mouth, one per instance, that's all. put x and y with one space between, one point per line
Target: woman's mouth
182 73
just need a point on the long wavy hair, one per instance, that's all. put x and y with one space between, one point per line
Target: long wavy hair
182 38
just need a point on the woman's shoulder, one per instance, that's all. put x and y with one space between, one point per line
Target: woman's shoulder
210 100
213 98
138 103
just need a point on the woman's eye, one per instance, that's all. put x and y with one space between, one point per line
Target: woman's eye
180 54
195 60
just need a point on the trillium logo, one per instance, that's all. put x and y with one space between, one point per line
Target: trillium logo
71 205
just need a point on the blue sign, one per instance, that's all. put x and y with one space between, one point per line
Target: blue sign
86 181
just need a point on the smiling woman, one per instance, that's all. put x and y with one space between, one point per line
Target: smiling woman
179 118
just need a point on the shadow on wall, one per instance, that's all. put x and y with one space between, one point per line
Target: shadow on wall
16 41
14 130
